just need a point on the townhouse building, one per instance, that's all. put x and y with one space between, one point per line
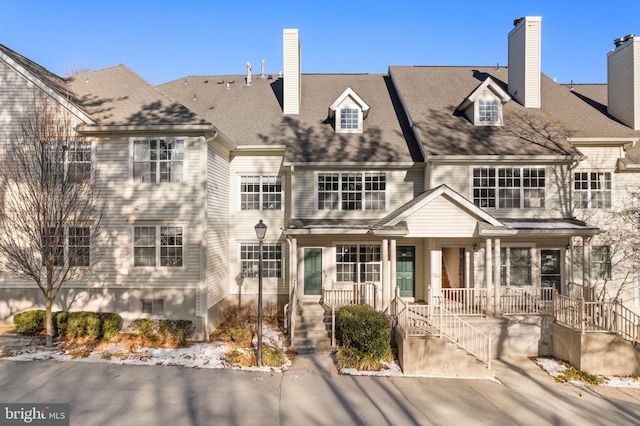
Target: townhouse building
425 184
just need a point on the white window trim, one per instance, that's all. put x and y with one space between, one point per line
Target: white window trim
535 265
345 106
316 198
476 112
158 225
573 190
185 162
334 263
65 248
261 175
497 188
283 253
154 306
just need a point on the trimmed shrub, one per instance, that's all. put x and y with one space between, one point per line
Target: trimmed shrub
110 325
29 322
368 331
62 319
233 315
178 331
84 324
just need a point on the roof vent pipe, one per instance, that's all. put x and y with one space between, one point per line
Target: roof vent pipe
248 73
262 69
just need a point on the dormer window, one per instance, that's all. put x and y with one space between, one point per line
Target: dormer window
489 111
483 107
349 119
349 112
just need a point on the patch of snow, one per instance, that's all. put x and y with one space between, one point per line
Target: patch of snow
554 368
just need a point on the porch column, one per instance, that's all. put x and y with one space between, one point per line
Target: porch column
385 275
586 264
393 281
488 273
496 277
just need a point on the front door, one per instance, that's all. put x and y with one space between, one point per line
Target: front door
405 270
550 274
312 271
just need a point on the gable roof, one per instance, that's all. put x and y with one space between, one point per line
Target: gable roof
432 94
487 84
117 96
411 207
52 84
353 95
253 115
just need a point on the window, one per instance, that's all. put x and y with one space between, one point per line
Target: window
352 191
592 190
79 160
358 263
69 245
515 264
158 246
152 306
260 193
158 160
509 188
488 111
349 119
600 263
271 260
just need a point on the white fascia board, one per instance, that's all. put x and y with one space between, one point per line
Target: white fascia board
626 143
497 159
349 92
45 88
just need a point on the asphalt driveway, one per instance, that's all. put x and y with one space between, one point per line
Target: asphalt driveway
309 393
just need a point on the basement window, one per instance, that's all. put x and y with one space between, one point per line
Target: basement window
152 306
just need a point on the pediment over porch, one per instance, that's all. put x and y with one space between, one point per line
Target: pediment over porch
440 212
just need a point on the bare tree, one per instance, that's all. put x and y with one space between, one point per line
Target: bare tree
51 211
75 70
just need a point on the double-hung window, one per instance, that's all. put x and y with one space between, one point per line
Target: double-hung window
158 160
68 245
79 160
155 246
352 191
271 260
509 187
260 193
515 263
358 263
600 263
592 190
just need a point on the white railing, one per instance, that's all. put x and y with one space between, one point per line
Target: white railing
464 301
421 320
525 300
586 317
343 294
466 336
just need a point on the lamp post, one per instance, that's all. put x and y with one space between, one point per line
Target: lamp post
261 230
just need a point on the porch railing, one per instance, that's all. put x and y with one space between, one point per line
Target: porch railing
420 320
585 317
464 301
343 294
525 300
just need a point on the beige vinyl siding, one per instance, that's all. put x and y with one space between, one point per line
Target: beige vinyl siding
459 177
524 62
402 186
242 223
292 89
623 75
441 218
217 223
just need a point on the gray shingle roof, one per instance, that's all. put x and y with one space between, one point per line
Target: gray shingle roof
252 115
118 96
433 93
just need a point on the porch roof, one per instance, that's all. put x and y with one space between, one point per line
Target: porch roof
568 227
343 226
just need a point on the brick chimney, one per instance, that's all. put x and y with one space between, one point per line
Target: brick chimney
291 87
524 61
623 81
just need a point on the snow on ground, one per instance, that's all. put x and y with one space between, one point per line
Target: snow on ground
198 355
554 368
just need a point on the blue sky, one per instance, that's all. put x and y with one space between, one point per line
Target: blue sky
166 40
